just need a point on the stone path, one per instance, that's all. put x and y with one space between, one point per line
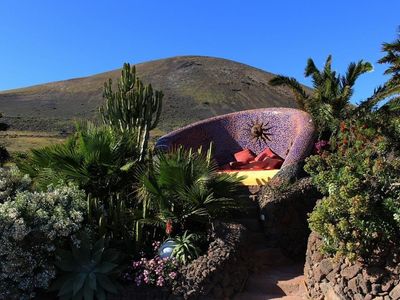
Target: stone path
274 276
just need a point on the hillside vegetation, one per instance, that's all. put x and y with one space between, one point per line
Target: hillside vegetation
195 87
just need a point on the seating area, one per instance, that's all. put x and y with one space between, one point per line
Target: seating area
254 143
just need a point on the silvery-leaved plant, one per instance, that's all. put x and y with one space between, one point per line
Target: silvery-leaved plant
33 225
11 182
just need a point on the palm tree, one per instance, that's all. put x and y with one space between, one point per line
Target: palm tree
392 57
182 187
387 116
95 158
328 103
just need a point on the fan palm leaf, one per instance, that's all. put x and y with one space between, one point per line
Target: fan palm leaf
183 186
95 158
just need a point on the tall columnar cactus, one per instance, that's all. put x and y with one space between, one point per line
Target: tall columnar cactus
134 107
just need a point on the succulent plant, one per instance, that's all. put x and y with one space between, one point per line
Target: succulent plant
134 107
87 271
186 248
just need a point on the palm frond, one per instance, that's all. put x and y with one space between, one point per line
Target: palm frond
298 91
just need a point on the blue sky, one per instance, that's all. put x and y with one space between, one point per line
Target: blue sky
47 40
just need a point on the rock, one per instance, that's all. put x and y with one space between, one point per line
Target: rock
326 266
317 256
387 286
350 280
291 173
286 209
358 297
331 294
351 271
375 289
210 275
396 270
373 274
395 293
353 285
362 284
325 287
331 276
318 275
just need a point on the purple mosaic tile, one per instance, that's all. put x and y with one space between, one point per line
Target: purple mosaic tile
288 132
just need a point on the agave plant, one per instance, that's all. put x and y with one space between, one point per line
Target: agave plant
87 272
186 248
184 187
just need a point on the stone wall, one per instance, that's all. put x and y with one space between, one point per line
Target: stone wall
285 207
221 272
339 279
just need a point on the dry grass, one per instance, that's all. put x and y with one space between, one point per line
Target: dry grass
22 141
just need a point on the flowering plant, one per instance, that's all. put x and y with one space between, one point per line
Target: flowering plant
12 181
320 146
33 225
358 217
156 271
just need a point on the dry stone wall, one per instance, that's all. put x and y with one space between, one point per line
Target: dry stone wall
329 278
222 271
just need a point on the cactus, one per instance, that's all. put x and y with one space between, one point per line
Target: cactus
135 107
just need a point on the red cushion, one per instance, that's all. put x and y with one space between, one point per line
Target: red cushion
266 153
244 156
272 163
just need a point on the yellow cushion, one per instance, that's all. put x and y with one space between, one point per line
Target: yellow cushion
259 177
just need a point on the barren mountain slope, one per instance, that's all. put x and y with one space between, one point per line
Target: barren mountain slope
195 87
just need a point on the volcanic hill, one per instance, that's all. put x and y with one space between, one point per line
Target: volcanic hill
195 88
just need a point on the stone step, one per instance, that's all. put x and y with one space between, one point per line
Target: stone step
263 284
276 282
267 256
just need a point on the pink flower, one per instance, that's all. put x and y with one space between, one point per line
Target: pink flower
320 146
160 281
138 279
172 275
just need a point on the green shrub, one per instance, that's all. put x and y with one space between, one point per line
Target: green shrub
98 159
33 225
359 216
12 181
114 218
183 189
